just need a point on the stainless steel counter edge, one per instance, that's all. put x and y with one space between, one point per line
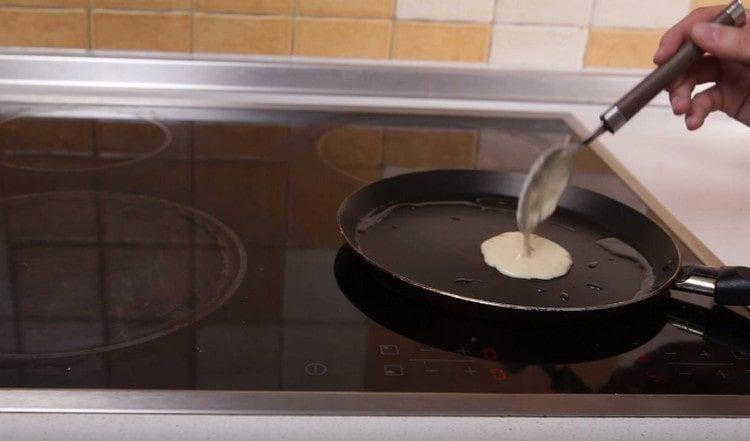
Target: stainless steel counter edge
366 403
111 78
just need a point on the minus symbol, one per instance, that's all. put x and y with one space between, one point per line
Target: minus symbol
670 353
432 370
425 350
686 373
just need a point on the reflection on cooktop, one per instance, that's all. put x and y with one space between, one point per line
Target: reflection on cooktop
150 251
41 141
85 272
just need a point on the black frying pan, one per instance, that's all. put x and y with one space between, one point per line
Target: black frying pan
387 301
426 228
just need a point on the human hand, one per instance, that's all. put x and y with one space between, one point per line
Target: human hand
727 65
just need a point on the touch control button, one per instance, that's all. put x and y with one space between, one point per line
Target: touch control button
316 369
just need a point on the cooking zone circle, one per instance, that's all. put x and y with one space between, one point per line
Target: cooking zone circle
50 141
86 272
371 149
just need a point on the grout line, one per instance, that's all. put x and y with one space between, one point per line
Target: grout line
230 12
90 19
89 6
391 38
49 9
594 4
394 20
43 7
392 43
492 31
445 22
592 10
142 11
278 14
191 36
249 13
293 17
582 65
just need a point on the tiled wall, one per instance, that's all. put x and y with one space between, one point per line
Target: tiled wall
537 34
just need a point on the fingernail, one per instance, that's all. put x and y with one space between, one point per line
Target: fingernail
692 121
707 32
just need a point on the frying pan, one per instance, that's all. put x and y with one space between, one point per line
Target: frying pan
425 229
382 299
519 345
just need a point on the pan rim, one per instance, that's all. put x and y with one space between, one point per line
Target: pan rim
654 291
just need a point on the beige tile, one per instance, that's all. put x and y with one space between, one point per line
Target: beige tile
347 8
334 37
251 6
546 12
446 10
538 47
142 4
168 31
242 34
621 48
648 14
441 41
43 3
43 28
352 145
430 148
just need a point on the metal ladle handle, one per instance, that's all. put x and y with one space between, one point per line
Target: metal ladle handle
633 101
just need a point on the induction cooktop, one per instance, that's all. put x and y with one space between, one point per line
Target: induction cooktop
146 249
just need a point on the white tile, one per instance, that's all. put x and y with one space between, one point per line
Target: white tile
448 10
551 12
538 47
657 14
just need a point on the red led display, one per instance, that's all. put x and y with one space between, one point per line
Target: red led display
489 353
498 374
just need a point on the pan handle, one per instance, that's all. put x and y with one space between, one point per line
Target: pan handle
729 285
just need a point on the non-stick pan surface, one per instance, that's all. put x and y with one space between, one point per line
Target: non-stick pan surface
426 229
384 301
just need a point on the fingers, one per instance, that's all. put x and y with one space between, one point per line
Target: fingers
673 38
680 91
725 42
710 100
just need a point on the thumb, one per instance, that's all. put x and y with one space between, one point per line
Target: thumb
724 42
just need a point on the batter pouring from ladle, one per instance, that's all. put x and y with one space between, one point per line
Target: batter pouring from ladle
682 66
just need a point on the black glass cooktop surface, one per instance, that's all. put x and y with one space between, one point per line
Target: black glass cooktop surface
178 249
